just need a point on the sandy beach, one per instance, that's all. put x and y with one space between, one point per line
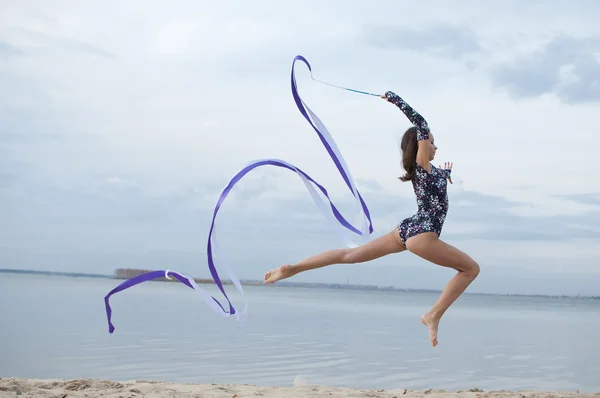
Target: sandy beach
12 387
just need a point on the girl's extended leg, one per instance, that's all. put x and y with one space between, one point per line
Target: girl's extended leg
382 246
431 248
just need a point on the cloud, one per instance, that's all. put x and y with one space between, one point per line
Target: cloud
37 43
80 46
113 221
7 51
116 143
439 40
566 66
587 198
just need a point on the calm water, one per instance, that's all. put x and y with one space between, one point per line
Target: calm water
55 327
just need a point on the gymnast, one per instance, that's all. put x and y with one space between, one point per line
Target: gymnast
420 233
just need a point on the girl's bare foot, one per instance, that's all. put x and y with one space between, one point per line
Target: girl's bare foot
432 323
277 274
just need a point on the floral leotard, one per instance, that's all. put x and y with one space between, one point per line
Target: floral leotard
430 188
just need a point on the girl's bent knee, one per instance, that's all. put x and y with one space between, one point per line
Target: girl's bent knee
473 269
350 256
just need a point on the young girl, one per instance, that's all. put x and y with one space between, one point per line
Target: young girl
420 233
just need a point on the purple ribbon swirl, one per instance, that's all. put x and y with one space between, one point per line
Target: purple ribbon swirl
212 247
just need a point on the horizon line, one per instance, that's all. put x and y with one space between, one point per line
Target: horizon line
328 285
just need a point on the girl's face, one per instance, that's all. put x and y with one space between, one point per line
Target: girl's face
432 147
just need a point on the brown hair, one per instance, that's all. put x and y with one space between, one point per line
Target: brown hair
409 146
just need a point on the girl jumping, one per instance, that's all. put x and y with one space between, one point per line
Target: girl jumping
420 233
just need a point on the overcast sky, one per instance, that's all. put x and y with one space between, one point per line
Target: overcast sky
121 122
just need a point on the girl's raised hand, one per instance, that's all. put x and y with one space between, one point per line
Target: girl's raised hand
447 166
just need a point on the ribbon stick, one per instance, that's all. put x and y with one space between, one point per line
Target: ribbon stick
329 210
344 88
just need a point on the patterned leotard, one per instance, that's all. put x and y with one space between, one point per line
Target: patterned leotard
430 188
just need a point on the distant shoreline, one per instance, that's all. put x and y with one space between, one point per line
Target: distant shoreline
126 273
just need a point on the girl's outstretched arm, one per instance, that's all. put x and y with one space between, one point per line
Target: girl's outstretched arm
419 122
412 115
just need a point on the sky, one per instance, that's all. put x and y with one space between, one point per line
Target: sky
121 123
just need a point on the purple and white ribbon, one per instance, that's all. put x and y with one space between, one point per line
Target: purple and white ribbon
337 221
